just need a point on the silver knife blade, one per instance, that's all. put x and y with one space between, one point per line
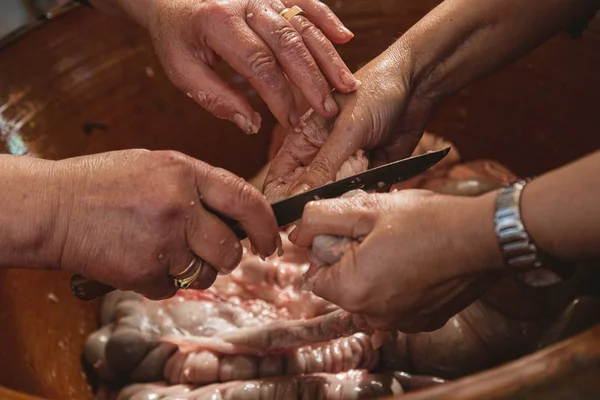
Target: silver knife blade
290 209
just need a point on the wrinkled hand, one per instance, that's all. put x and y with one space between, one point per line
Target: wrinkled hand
382 115
133 218
416 258
274 54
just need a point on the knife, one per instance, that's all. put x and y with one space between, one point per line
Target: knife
289 210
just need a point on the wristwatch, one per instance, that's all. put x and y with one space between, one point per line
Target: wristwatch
518 249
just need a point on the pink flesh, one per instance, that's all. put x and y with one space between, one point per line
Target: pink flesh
256 329
352 384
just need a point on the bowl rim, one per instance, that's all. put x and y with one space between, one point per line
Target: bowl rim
54 13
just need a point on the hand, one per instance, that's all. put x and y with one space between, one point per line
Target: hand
382 115
274 54
132 219
416 258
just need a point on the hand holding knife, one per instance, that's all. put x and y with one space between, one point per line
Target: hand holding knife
289 210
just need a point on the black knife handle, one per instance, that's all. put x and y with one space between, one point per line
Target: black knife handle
87 289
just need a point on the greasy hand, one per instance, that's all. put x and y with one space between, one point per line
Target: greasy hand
414 261
133 218
274 54
381 116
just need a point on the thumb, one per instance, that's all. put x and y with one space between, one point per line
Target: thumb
337 283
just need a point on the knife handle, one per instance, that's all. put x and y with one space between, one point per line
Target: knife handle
87 289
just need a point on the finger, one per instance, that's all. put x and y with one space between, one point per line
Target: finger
207 88
337 283
295 59
380 323
235 198
353 218
342 143
301 103
207 277
322 16
252 58
361 323
210 239
326 56
161 289
298 150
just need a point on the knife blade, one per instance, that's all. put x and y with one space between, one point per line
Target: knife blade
290 209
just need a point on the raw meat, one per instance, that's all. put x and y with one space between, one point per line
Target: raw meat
345 386
354 165
257 333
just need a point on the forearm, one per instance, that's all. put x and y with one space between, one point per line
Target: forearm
463 40
27 215
561 210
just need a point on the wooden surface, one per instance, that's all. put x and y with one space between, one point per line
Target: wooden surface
43 333
568 370
85 83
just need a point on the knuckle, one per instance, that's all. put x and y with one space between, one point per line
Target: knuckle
307 28
169 158
166 192
216 9
214 103
367 202
322 166
262 64
241 193
288 39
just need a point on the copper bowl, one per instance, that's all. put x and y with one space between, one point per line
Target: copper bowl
84 83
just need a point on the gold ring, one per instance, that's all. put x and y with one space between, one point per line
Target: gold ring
184 282
289 13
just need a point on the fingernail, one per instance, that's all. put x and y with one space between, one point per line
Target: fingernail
293 235
349 79
346 32
300 189
253 250
256 122
294 118
330 105
279 246
243 123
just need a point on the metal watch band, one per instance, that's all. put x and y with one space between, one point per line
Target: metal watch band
518 250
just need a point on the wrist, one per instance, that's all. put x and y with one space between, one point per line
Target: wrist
474 219
409 67
29 237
